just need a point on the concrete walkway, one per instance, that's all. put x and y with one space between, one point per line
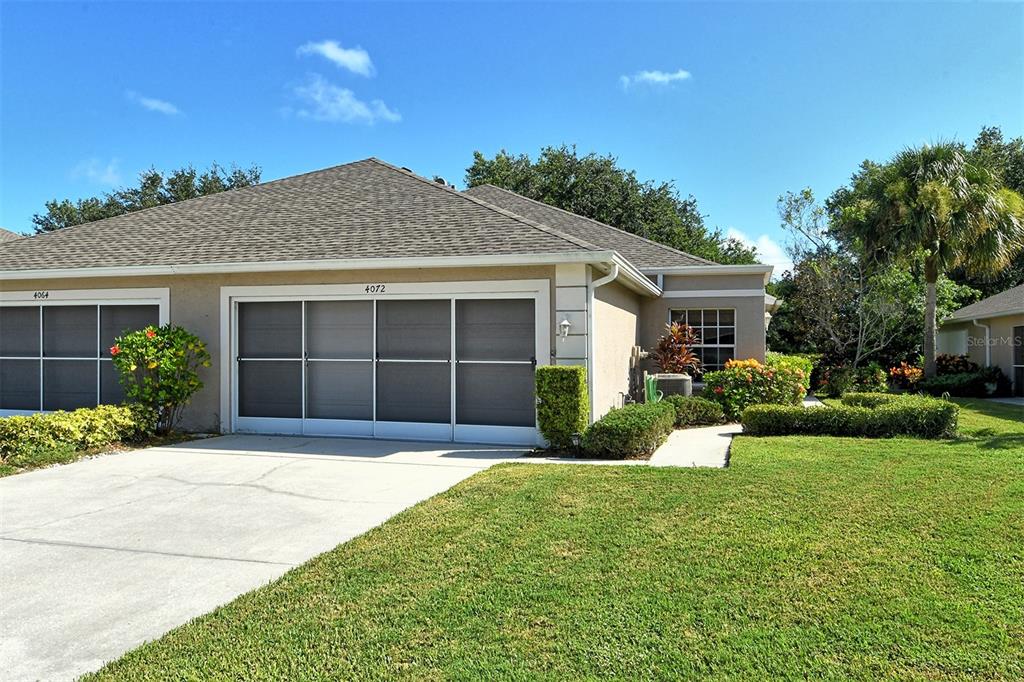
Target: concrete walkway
102 555
1009 401
703 447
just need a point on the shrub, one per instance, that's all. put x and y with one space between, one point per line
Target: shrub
84 429
693 411
954 364
673 354
835 381
803 363
563 407
868 399
159 368
748 382
981 384
630 432
916 416
905 376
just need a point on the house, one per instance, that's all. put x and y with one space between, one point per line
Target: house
361 300
991 333
8 236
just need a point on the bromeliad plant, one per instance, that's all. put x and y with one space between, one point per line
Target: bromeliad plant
673 354
159 368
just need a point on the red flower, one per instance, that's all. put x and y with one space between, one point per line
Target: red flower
150 333
115 349
718 390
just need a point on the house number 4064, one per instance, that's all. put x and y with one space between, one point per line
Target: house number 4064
375 288
41 294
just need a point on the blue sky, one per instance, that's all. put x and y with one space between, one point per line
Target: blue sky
736 103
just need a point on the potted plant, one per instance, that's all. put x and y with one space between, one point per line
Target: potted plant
675 360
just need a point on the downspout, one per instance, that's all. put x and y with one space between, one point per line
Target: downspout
613 273
988 347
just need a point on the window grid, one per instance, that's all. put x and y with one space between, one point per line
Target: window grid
43 359
718 324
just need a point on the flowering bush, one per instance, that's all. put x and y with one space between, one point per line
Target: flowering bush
159 368
748 382
905 376
804 363
673 354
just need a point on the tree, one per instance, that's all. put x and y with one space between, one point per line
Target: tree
154 189
596 187
937 206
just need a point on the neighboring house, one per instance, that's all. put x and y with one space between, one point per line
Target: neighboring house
361 300
991 333
8 236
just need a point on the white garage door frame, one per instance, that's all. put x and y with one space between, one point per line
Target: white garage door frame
539 290
158 296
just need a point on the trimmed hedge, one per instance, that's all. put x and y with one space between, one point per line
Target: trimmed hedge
869 399
563 405
694 411
83 429
915 416
630 432
748 382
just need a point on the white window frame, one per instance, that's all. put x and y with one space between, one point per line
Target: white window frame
735 328
230 296
158 296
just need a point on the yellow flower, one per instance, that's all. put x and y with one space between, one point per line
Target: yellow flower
151 364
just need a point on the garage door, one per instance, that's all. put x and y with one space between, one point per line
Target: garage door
57 357
432 369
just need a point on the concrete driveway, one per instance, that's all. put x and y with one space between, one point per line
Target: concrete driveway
100 556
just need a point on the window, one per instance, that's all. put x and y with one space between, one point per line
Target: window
57 357
716 334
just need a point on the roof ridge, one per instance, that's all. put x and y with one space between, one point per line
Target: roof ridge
596 222
498 209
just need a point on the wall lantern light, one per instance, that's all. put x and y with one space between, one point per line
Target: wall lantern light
563 327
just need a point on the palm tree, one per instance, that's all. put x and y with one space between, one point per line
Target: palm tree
934 205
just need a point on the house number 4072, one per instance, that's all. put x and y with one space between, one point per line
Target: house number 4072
375 288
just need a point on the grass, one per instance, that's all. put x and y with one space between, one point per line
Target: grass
42 457
808 557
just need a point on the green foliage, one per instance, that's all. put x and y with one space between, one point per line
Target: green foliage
154 189
630 432
955 364
159 368
869 399
673 354
596 187
746 383
23 437
802 361
914 416
837 381
982 383
696 411
563 407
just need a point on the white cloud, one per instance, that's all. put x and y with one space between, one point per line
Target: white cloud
654 77
768 250
153 104
356 59
94 170
328 102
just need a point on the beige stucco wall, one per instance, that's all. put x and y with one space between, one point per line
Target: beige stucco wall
195 304
1001 340
615 326
750 322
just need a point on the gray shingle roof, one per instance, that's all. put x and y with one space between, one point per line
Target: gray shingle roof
1005 303
8 236
365 209
641 252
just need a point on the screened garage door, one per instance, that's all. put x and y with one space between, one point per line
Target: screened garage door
57 357
434 369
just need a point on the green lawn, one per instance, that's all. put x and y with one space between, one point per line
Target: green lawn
806 558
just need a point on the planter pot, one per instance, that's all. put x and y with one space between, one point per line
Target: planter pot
675 384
